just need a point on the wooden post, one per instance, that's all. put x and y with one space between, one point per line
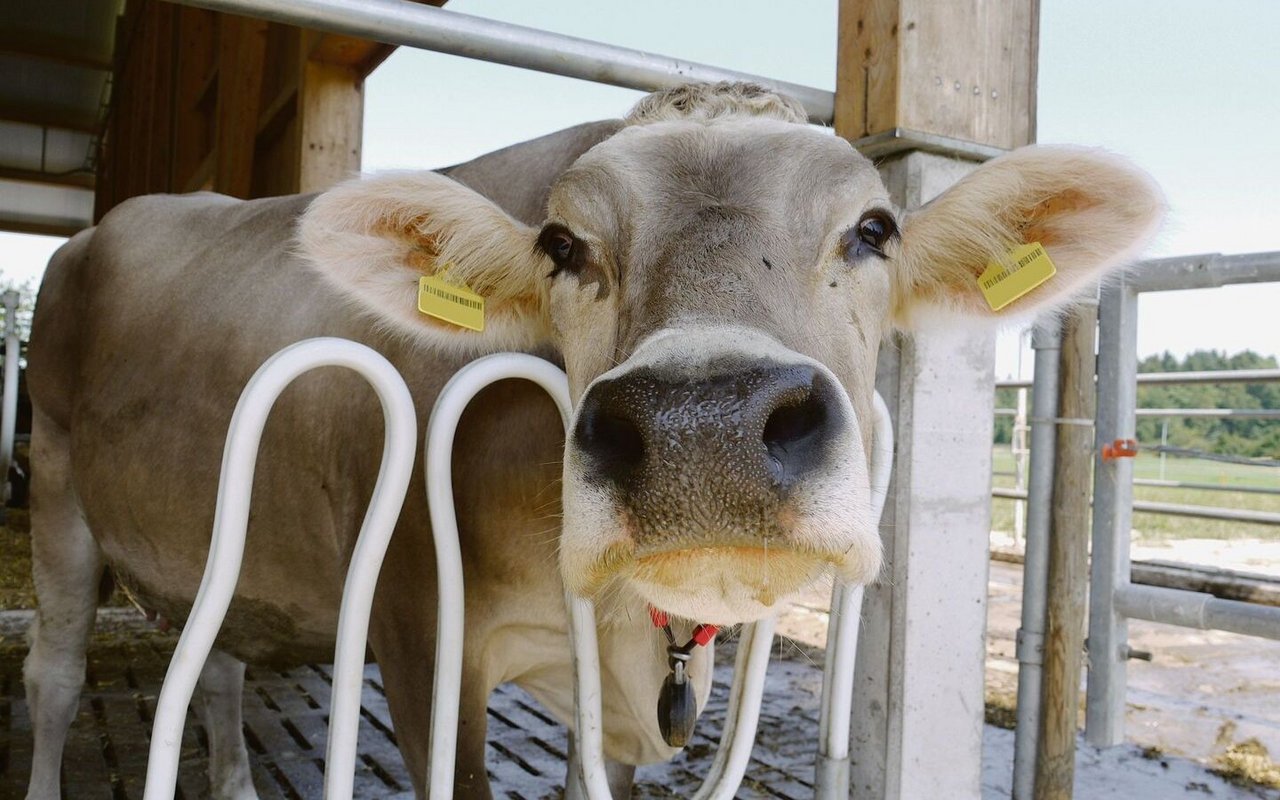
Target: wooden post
929 89
331 116
1068 559
924 70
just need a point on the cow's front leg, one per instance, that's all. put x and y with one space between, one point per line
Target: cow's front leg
403 639
407 679
218 702
620 776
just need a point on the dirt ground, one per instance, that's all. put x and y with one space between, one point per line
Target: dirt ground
1202 694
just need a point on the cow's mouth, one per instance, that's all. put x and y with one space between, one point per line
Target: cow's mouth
725 585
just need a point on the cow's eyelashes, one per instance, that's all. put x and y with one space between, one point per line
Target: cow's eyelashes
869 237
562 247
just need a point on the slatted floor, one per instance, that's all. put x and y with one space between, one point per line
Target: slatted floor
285 724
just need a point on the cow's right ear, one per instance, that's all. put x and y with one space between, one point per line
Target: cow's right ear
374 238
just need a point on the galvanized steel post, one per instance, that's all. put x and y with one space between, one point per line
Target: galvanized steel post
1112 514
1046 342
9 416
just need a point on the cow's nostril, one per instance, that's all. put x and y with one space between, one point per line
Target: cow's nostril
792 435
612 441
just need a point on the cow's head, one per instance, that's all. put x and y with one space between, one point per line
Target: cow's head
718 277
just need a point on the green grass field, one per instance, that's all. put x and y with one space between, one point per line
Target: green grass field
1160 526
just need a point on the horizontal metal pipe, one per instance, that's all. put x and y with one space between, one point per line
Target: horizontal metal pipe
403 23
1208 487
1207 512
1174 509
1211 376
1227 584
1213 413
1008 494
1207 376
1203 271
1197 610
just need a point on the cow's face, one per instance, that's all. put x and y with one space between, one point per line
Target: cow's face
719 292
718 277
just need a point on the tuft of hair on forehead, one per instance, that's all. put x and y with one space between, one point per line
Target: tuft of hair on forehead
708 101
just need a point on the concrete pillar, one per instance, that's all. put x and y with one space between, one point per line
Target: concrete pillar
918 701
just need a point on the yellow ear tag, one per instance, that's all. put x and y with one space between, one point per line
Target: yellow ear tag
1022 269
452 302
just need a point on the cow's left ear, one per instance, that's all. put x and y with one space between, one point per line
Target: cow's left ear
1091 210
375 238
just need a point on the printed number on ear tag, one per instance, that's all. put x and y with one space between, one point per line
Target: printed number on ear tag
677 711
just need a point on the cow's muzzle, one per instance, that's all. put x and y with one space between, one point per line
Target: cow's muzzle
737 442
715 474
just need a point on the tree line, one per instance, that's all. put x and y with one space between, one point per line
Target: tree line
1253 438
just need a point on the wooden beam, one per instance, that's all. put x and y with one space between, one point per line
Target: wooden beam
79 180
938 68
200 179
57 50
193 102
65 228
162 58
241 53
278 112
53 118
361 56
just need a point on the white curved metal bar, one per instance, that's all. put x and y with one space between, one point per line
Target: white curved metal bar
745 697
831 779
226 552
589 731
453 400
731 761
729 767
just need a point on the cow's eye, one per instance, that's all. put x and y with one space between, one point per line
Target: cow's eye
561 246
869 236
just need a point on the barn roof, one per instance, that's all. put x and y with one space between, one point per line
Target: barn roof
55 79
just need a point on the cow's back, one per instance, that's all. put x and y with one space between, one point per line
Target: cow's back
147 329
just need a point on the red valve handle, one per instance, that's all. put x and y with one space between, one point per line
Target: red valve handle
1120 448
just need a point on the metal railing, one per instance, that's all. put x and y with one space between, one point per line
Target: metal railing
1174 378
586 776
9 405
1019 495
226 551
403 23
1113 598
1175 509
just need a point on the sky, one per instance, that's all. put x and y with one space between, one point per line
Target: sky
1188 90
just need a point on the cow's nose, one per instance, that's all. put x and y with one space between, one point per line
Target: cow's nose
761 425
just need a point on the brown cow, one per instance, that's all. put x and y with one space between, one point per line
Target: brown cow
715 276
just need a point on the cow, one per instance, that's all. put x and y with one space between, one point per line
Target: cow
715 276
